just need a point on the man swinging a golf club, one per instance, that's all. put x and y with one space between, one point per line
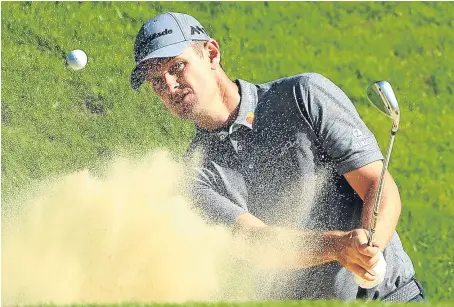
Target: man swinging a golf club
269 148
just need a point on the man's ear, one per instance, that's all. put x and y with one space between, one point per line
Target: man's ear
214 53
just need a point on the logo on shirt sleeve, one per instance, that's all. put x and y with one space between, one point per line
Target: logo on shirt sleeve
357 133
364 142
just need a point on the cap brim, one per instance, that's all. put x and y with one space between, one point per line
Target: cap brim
138 74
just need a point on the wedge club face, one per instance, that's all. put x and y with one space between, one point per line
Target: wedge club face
382 96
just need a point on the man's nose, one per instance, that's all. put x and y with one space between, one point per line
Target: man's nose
171 83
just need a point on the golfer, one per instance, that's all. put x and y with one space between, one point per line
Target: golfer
268 151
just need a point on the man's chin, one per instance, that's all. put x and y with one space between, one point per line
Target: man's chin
187 114
189 111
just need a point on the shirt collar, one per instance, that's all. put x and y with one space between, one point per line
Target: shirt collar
248 103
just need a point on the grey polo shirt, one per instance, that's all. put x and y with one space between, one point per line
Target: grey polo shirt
283 160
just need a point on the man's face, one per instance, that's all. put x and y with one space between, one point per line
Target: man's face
186 83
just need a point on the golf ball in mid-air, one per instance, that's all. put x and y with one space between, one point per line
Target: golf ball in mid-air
76 59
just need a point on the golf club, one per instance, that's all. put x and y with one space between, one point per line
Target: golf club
381 95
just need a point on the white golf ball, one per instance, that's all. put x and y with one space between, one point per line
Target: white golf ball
378 270
76 59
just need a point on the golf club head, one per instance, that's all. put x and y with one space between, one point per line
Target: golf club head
382 96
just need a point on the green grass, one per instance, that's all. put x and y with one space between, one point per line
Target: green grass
55 120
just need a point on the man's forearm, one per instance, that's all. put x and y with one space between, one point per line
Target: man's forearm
271 247
283 248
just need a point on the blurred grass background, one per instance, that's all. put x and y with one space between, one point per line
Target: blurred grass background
55 120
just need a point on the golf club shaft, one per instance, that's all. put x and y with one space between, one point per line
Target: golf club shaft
381 183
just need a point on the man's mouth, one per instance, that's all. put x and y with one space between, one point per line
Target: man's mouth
180 99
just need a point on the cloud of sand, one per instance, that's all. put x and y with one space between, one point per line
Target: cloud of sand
128 236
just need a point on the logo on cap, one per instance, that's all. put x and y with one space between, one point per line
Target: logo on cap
198 30
159 34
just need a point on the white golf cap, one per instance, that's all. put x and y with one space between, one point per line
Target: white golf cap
166 35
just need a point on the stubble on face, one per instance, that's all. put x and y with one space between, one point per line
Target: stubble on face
184 105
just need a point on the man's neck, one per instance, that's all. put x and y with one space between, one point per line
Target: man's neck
230 98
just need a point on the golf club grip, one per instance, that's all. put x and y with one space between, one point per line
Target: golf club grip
373 221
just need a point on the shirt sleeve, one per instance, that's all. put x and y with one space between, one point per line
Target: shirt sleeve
336 122
206 189
209 200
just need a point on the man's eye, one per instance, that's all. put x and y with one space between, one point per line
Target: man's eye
156 82
176 68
